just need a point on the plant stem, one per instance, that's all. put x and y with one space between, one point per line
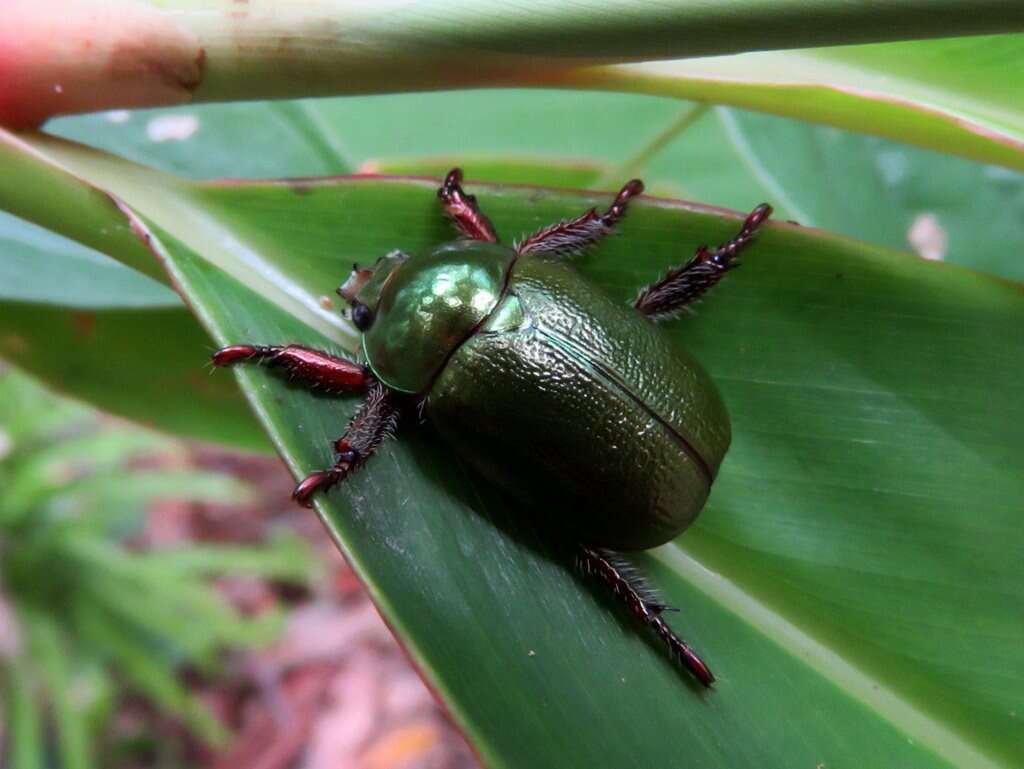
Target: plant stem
61 58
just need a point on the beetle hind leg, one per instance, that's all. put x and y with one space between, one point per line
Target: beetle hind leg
575 235
682 285
375 420
619 576
463 210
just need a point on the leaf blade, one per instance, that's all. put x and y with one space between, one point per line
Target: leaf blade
461 577
304 433
920 92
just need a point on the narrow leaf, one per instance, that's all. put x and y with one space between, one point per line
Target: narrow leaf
958 96
857 568
68 715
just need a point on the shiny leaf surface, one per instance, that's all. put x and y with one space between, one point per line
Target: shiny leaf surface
960 96
857 568
111 336
861 186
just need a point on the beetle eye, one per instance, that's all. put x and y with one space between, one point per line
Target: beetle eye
362 316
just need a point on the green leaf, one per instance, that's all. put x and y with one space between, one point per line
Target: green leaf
960 95
522 169
42 267
94 328
50 470
69 714
24 730
69 482
150 365
41 192
136 662
863 187
857 185
30 417
857 568
793 567
285 557
142 487
158 600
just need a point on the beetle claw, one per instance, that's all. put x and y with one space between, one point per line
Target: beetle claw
236 352
313 482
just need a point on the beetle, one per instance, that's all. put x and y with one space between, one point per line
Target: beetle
545 385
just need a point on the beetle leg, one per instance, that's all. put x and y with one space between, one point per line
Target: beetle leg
311 367
462 208
626 585
375 420
571 236
682 285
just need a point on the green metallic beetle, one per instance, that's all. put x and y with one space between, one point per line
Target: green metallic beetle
540 381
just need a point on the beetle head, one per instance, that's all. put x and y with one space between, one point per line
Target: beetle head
363 287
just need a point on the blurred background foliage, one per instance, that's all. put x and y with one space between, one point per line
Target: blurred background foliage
91 613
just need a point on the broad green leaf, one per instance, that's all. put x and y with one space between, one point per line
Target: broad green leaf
960 96
92 327
507 169
149 365
41 267
789 350
42 192
857 568
855 185
868 188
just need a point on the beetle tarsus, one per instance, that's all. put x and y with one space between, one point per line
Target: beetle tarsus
683 285
571 236
318 481
227 356
617 210
316 369
463 210
626 584
682 653
375 420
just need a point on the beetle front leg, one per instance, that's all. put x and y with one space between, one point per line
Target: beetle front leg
316 369
682 285
463 210
572 236
621 578
376 419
